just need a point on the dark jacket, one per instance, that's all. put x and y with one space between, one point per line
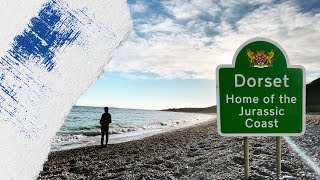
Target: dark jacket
105 119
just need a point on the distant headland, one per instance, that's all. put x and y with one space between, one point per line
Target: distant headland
211 109
312 101
313 96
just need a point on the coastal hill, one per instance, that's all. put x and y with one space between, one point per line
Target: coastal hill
312 101
313 96
211 109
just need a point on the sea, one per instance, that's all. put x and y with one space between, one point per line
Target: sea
82 127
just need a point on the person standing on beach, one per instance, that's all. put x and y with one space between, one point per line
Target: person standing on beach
104 122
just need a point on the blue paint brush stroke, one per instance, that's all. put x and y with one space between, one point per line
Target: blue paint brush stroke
53 28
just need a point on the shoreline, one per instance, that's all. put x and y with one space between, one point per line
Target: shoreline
128 136
196 152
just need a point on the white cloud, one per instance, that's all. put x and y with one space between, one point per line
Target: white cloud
182 9
182 47
166 25
297 32
139 8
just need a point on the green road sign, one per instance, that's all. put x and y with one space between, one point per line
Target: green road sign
261 94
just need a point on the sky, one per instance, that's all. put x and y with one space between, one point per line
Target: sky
170 58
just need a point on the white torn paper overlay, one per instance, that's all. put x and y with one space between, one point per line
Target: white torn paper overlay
50 53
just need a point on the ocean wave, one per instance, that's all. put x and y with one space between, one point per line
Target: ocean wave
97 132
160 125
74 133
123 130
67 138
81 128
117 129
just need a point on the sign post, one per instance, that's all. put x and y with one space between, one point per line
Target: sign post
246 158
278 154
260 94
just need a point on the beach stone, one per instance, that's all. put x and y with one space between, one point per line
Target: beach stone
45 168
257 145
158 161
287 168
73 169
169 177
73 161
238 160
258 151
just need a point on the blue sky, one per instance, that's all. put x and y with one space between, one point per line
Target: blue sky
170 58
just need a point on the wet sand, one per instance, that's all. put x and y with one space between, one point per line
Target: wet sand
196 152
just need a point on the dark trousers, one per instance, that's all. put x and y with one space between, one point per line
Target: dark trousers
104 131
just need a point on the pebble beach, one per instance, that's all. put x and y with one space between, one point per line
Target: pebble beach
195 152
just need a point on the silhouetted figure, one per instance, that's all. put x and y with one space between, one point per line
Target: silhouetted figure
105 121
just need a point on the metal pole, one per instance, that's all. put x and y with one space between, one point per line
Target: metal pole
246 158
278 152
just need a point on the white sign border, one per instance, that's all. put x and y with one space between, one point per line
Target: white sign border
288 66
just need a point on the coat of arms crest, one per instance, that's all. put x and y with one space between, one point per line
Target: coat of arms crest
260 59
